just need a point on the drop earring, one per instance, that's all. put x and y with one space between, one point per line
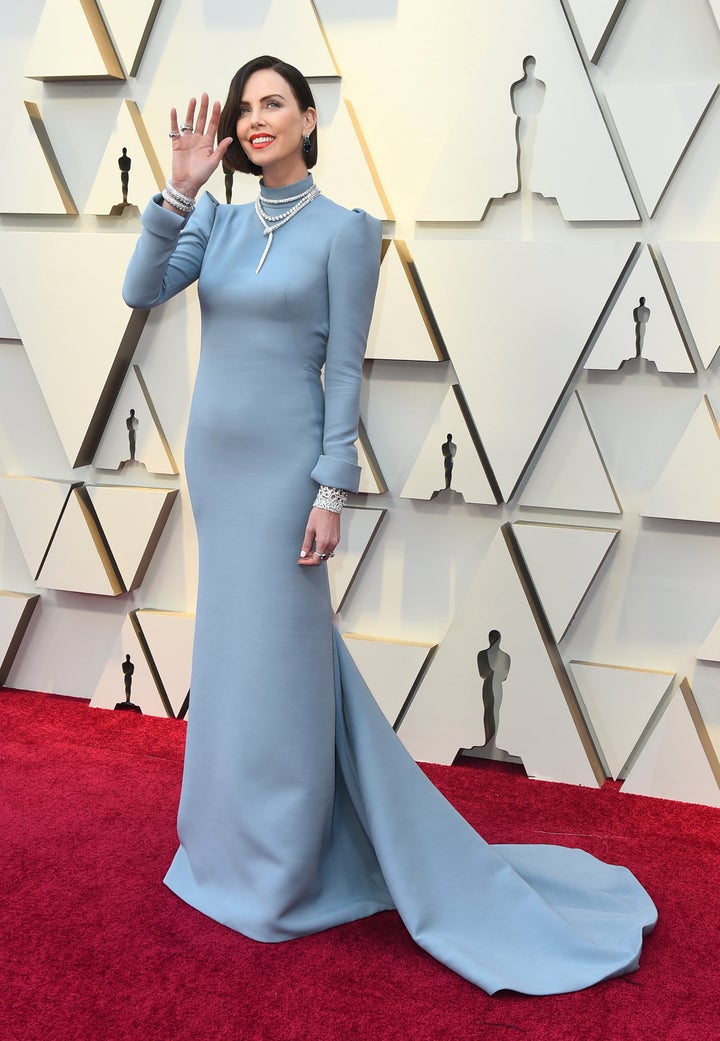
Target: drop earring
306 143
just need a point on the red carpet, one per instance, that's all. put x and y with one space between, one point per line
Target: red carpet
94 948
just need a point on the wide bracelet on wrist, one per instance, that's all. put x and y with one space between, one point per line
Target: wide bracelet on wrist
184 203
332 499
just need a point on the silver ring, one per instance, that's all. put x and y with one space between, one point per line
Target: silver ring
174 133
323 556
186 126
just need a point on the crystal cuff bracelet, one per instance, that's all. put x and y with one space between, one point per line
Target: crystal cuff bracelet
332 499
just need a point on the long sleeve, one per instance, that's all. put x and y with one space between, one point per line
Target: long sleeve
169 253
353 270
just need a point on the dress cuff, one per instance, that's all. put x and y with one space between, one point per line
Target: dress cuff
337 473
161 221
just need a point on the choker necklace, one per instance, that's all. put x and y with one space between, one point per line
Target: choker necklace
271 221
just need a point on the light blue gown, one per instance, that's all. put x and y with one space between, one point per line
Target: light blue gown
300 808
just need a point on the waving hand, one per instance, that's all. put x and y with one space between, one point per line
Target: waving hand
194 155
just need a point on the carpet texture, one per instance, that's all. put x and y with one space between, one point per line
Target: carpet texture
94 948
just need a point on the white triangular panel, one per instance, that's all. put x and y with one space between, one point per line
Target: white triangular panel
715 5
655 122
65 48
359 526
673 763
169 636
15 612
592 18
372 481
619 702
8 329
574 160
389 667
689 486
563 561
662 342
171 332
77 560
292 31
710 650
73 339
498 305
28 439
342 171
398 330
695 271
34 506
488 149
446 714
130 25
111 688
131 520
428 472
26 181
570 473
145 176
151 451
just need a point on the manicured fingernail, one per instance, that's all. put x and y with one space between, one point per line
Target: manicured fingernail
303 553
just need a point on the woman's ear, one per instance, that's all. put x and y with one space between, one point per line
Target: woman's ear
310 120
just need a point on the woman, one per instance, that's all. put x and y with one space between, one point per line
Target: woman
300 809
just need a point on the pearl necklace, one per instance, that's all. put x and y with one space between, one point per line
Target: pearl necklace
271 221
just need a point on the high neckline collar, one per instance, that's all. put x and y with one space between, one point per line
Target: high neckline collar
288 189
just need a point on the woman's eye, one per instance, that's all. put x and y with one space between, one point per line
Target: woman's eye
273 103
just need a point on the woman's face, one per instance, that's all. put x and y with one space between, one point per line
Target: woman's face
271 127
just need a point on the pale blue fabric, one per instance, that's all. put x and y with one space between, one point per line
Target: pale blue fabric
300 808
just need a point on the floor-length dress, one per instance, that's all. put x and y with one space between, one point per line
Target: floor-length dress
300 808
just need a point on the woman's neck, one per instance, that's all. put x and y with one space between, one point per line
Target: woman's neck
282 176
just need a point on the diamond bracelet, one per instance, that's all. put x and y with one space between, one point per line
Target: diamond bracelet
332 499
184 203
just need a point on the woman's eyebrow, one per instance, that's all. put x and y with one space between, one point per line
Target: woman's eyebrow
266 98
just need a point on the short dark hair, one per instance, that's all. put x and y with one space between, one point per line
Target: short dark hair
235 157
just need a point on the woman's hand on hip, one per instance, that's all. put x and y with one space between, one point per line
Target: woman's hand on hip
322 535
194 155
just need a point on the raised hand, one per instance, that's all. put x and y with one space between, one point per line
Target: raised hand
194 155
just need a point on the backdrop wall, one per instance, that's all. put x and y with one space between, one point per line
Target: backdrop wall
541 396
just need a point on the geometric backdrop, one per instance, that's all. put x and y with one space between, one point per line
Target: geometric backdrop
530 571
